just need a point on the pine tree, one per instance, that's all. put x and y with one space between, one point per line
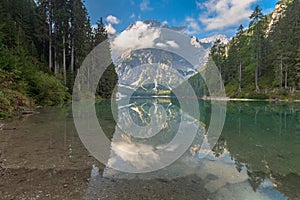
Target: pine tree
240 42
100 33
218 55
255 18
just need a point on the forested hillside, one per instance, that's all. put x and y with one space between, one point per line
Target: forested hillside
263 60
42 44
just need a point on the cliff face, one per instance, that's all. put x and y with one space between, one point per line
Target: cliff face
277 14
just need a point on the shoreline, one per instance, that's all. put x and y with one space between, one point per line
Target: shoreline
249 100
32 111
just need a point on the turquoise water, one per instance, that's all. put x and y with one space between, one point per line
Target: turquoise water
257 155
264 138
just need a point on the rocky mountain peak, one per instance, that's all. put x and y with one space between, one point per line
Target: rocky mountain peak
224 39
277 14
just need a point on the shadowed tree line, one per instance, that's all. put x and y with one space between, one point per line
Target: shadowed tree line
42 45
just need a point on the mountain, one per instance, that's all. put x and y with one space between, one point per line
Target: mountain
223 38
207 43
277 14
159 46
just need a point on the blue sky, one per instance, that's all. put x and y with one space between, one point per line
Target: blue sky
202 18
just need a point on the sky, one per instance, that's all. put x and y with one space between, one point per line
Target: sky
201 18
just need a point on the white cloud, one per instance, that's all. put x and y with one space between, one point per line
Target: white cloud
112 19
225 13
192 26
145 5
173 44
143 157
110 29
170 43
161 45
140 35
164 23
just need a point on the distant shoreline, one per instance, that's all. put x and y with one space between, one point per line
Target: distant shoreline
220 99
246 99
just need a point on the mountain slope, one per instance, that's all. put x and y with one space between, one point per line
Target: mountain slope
156 48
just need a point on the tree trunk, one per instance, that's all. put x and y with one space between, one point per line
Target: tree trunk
255 56
18 38
281 65
50 38
56 67
240 78
286 78
259 56
64 60
256 79
221 79
72 54
257 62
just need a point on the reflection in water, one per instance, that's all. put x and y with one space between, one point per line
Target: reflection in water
265 138
256 156
151 134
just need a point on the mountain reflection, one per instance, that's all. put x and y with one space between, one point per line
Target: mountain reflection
149 131
254 156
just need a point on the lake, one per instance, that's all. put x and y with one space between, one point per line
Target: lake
255 157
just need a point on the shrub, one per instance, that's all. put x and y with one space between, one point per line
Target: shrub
48 90
257 96
12 101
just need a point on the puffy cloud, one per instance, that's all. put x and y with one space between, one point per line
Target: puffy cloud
145 5
161 45
192 26
112 19
139 35
164 23
221 14
173 44
170 43
110 29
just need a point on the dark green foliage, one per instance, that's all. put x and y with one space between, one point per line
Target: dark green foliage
284 47
107 82
199 85
109 79
47 89
34 34
260 64
255 95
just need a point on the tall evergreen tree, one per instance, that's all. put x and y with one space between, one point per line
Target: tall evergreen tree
240 43
218 54
255 18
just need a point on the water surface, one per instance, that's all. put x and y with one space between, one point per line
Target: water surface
256 157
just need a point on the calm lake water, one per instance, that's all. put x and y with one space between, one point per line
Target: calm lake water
257 156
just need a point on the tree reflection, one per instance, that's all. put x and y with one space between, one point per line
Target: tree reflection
262 146
220 147
255 178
